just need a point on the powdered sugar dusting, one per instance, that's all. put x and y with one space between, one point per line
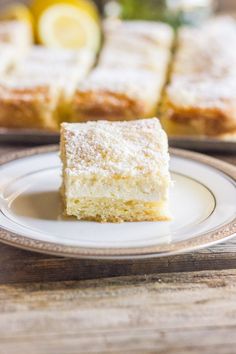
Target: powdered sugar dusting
208 50
204 72
54 65
132 82
204 93
124 52
116 148
158 32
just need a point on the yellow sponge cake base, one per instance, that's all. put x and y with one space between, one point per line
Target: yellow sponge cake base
113 210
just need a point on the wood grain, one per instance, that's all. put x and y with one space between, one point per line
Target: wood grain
171 313
184 304
17 266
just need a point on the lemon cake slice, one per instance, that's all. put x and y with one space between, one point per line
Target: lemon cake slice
115 171
29 103
62 67
200 98
117 94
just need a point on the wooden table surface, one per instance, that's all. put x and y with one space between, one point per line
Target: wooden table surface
182 304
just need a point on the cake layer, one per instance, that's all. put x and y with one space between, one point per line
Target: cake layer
124 188
176 126
115 210
124 164
202 90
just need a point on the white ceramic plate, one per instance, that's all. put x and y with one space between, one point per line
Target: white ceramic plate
203 204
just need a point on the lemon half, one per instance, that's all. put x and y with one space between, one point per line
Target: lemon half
71 24
66 26
39 6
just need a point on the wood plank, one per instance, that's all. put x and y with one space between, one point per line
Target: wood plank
160 313
21 266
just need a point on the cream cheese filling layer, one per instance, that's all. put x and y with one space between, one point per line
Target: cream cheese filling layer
147 189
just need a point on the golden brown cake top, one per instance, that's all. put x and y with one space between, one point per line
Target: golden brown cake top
27 89
121 149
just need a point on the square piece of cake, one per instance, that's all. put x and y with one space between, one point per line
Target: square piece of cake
117 94
65 66
200 97
115 171
62 67
29 103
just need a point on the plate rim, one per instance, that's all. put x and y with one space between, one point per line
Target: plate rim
222 233
47 137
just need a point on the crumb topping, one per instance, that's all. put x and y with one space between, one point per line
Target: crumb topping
116 148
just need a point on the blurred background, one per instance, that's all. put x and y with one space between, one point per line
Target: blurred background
75 24
222 4
175 12
62 25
